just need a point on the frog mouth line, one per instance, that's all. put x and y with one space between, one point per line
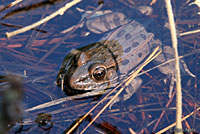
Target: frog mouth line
79 89
69 91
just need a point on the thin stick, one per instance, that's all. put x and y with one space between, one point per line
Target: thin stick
58 12
174 124
163 112
168 61
15 2
177 66
11 4
190 32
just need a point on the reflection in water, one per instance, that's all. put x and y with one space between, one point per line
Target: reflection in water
72 124
11 108
106 127
44 121
40 80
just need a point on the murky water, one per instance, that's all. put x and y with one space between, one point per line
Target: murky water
37 56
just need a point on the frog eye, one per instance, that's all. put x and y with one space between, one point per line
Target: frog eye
98 71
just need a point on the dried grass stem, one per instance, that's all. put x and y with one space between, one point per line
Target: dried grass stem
178 77
58 12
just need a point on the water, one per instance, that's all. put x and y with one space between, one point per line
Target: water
37 56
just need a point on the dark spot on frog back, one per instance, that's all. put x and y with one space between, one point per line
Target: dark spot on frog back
117 20
127 50
128 36
140 55
125 61
106 24
143 36
134 24
121 33
135 44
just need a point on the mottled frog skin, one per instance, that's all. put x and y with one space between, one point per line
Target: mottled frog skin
103 64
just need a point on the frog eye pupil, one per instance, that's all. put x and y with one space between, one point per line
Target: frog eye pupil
99 73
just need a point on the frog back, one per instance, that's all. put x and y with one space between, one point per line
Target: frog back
136 44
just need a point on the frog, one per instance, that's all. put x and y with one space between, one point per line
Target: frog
124 46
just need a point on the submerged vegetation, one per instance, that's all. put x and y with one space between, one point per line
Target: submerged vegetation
36 56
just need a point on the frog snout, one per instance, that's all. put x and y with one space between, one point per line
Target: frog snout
80 83
72 83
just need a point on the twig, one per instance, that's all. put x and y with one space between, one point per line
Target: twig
131 131
177 66
11 4
168 61
174 124
189 32
163 112
58 12
16 26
